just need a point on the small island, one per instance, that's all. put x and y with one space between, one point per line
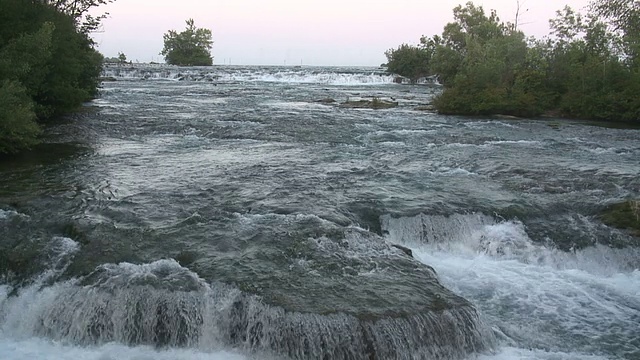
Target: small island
588 67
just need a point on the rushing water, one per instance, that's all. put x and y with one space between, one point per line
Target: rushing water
226 213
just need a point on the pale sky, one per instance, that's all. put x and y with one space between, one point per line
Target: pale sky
294 32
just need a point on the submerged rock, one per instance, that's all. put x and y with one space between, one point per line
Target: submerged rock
505 117
292 285
163 304
625 215
404 249
427 107
326 101
375 103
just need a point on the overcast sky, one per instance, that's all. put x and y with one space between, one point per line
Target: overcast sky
294 32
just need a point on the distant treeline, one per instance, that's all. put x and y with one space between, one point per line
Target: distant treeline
588 67
48 65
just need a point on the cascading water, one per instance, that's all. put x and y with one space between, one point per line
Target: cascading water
163 304
573 304
307 75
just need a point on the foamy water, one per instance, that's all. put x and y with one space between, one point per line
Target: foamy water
307 75
541 303
49 350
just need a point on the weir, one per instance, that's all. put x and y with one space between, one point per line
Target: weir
239 74
165 305
479 234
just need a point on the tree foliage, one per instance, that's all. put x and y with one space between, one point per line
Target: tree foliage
624 15
191 47
48 66
409 61
588 67
79 11
482 61
18 127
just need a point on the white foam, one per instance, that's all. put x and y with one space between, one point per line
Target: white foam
514 142
466 145
64 245
488 144
483 124
327 78
274 75
7 214
538 298
297 105
392 143
511 353
559 305
454 171
603 151
541 307
4 214
412 131
472 235
48 350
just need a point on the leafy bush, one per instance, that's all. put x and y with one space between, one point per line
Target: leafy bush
408 61
585 69
48 65
18 127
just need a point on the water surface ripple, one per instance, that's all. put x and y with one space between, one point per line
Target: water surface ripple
227 211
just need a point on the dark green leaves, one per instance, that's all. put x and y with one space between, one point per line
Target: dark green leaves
18 128
47 67
192 47
588 67
409 61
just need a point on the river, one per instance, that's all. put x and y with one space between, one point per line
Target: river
237 213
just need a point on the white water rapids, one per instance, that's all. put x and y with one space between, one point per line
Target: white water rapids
542 303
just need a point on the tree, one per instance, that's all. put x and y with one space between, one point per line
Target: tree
588 67
122 58
48 66
625 17
408 61
78 10
191 47
471 26
18 127
482 63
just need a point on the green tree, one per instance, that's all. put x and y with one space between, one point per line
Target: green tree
483 63
18 127
588 67
587 72
48 66
471 26
191 47
624 15
78 10
409 61
23 63
122 58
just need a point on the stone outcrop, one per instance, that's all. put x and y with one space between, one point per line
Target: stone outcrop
374 103
624 215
